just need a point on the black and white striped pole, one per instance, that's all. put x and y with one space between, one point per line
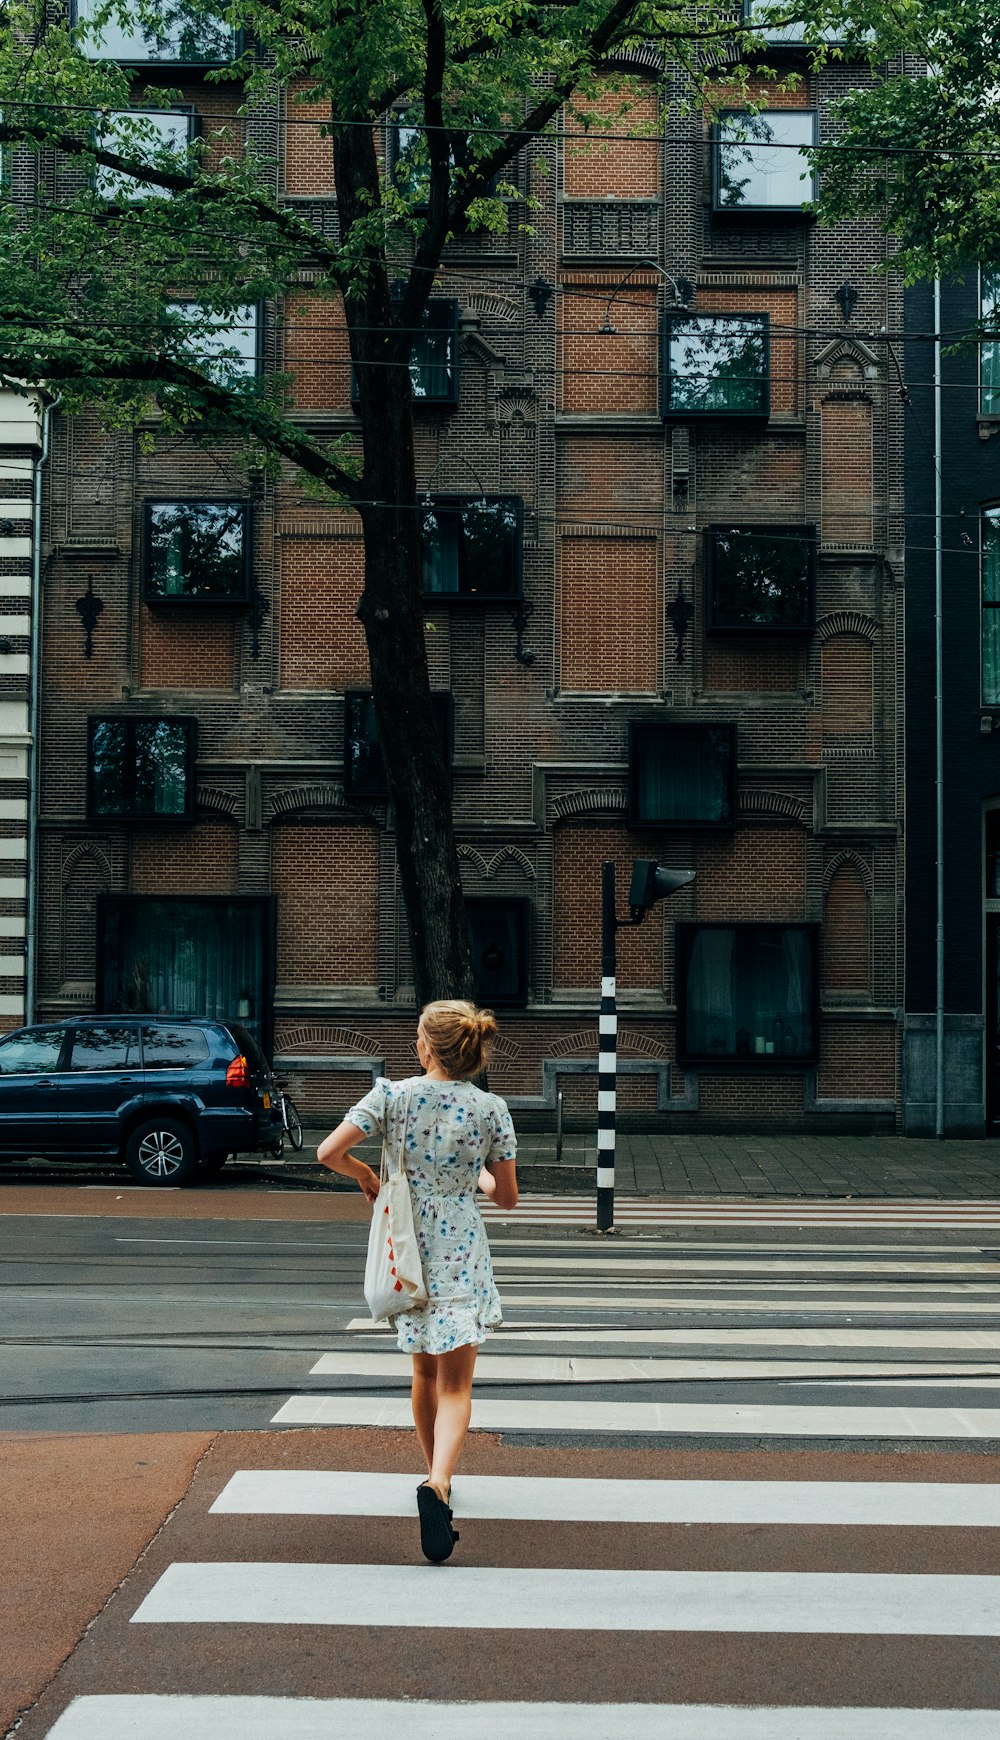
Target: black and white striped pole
650 882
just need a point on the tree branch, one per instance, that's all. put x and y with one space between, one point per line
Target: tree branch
39 363
290 226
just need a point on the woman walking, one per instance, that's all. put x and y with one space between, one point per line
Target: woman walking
456 1138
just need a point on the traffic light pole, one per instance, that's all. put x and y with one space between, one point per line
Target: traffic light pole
607 1063
650 882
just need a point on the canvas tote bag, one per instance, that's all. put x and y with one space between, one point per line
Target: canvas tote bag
394 1277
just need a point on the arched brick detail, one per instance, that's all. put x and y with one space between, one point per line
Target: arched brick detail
608 800
85 850
860 864
487 868
584 1044
323 1040
327 801
841 622
491 306
847 942
773 806
222 803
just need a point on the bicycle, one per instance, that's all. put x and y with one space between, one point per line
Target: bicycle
291 1123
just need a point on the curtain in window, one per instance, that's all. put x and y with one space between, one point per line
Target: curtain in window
711 1012
684 774
185 957
442 532
430 365
991 609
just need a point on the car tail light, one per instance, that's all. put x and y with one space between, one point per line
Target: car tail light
238 1073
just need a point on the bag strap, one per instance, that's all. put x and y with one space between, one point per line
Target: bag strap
383 1170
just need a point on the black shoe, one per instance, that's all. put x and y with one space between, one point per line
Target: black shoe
437 1537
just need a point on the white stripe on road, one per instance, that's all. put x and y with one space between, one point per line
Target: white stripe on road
848 1302
691 1418
854 1503
765 1264
532 1330
524 1369
470 1598
166 1717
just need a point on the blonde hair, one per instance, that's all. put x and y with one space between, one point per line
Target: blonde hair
460 1035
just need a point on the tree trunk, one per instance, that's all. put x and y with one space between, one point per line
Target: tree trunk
390 608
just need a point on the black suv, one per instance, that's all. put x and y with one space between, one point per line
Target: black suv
166 1094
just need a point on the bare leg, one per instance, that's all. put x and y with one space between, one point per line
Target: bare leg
454 1408
424 1399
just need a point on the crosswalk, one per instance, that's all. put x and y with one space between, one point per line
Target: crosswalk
635 1213
708 1341
682 1531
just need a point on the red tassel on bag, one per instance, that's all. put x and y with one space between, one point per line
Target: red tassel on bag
398 1286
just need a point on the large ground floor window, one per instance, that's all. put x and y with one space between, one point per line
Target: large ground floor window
174 955
747 994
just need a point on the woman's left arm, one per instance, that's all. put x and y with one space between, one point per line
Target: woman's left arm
333 1154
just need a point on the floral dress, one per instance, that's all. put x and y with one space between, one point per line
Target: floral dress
452 1129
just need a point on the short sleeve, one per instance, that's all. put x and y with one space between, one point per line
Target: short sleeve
369 1113
500 1125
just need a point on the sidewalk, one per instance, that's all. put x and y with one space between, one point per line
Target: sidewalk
755 1165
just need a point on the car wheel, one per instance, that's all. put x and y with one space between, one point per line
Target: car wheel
162 1151
214 1162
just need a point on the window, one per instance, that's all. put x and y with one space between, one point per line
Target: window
409 162
747 995
433 356
181 36
991 606
989 348
141 769
758 161
716 365
212 956
682 776
364 774
761 578
173 1047
758 13
498 934
196 552
33 1053
100 1048
156 136
472 547
226 346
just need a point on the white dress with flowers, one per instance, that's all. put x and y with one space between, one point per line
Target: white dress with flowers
452 1129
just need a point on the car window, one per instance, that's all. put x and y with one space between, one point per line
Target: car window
173 1047
28 1053
105 1048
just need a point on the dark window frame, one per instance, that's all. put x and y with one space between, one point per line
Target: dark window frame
751 1061
641 730
131 721
396 124
449 401
749 209
989 515
521 906
169 599
374 789
238 38
266 904
673 318
466 599
259 316
190 114
808 536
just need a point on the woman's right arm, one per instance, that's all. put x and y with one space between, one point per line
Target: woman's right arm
333 1154
504 1173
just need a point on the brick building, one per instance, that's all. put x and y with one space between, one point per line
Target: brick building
662 484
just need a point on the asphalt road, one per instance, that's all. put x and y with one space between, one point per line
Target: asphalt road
723 1485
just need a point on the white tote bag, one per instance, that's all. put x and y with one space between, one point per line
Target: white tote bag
394 1277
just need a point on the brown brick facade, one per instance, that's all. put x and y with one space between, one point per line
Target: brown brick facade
617 503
